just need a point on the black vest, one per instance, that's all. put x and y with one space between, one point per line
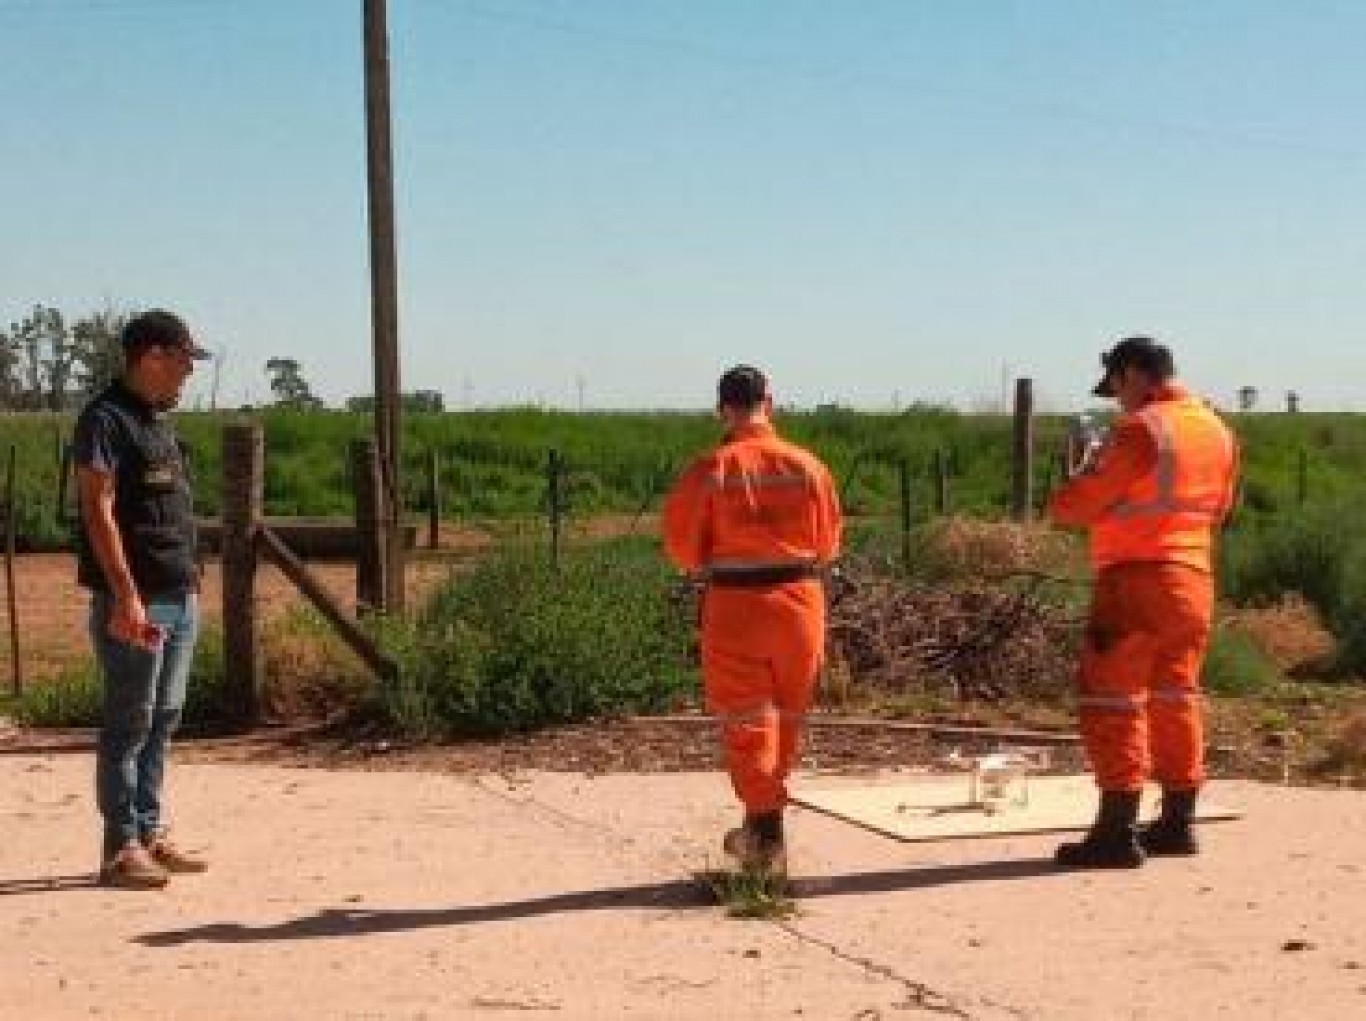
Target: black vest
152 503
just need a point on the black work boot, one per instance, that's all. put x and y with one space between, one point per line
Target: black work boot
1171 836
758 845
1112 842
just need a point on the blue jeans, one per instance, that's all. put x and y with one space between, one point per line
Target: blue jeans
144 694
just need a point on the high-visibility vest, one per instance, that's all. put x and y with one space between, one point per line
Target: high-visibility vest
1170 514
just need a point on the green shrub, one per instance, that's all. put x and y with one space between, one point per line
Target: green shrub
1298 553
1235 666
1319 553
75 697
518 644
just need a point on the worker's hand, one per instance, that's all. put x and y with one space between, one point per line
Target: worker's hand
129 624
1086 440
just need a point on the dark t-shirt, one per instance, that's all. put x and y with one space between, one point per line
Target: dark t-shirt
120 434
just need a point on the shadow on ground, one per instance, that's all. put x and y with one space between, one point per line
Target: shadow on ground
47 884
679 894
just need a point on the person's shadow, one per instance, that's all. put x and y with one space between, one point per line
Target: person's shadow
674 895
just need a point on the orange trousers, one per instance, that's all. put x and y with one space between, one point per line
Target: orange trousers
761 653
1139 684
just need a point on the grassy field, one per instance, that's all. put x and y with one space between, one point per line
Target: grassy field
494 462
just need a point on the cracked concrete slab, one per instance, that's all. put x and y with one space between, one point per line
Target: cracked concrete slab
414 895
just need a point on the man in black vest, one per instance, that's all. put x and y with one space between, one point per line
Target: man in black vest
136 549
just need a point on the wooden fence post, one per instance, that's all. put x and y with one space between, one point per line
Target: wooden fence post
371 590
11 526
63 484
433 499
243 488
1022 459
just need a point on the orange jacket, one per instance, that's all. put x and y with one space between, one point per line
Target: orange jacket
1165 479
755 501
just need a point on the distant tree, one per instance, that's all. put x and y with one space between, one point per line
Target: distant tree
1247 398
418 402
289 386
50 363
10 384
39 360
99 357
424 402
27 339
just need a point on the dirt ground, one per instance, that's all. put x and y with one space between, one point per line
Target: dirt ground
378 895
52 607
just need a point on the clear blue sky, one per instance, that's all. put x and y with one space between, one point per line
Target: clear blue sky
874 199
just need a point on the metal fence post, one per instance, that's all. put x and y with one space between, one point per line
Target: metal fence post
904 487
555 502
433 498
941 482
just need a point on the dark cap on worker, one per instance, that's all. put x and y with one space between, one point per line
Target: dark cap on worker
744 386
1139 352
159 328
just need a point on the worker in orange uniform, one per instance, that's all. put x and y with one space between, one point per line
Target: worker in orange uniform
757 522
1153 496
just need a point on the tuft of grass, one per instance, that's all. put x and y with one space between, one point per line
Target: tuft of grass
750 895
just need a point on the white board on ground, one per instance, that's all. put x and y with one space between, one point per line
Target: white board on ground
939 808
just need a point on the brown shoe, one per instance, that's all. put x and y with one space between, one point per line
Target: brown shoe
173 859
134 868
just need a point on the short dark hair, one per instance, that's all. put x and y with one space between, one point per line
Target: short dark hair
1142 353
154 328
743 387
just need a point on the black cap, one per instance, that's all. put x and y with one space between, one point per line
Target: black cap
1140 352
159 328
742 387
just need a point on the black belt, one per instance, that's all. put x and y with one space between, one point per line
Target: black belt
758 577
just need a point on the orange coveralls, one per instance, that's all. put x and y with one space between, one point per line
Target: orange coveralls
1164 481
755 504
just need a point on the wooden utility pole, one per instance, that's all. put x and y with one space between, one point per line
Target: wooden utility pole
384 293
1022 461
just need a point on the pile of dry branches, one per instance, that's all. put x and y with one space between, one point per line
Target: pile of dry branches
973 640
